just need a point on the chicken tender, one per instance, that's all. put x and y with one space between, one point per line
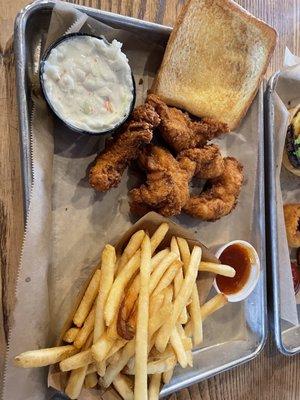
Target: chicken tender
167 187
181 132
292 224
123 148
146 113
221 197
209 161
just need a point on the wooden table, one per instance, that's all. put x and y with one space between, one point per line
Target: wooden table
270 375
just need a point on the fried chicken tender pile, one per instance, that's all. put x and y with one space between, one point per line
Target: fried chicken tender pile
179 131
221 198
123 148
167 186
166 189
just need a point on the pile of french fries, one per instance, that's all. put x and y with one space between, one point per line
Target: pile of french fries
140 316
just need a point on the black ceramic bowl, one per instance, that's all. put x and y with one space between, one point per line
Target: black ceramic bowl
65 122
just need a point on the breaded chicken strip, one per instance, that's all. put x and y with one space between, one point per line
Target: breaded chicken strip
167 187
180 131
292 224
123 148
209 161
221 198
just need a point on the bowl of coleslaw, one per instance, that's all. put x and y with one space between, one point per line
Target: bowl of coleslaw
87 83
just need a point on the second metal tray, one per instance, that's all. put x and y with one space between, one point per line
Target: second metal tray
287 336
217 357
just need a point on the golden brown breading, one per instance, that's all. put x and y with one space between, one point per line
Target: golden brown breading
167 187
221 198
292 224
146 113
123 148
208 159
180 131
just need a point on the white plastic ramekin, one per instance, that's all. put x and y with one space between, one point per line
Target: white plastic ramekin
253 276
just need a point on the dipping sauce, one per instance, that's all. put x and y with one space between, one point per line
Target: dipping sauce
88 83
237 257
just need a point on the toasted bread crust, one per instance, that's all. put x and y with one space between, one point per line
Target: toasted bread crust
263 42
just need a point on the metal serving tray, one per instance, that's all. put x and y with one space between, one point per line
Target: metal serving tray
31 23
287 336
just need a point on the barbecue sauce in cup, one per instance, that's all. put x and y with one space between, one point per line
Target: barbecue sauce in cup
239 258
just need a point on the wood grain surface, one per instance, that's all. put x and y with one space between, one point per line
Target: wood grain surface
271 375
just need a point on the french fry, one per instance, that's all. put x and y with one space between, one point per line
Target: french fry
160 270
154 279
76 361
157 355
155 303
154 387
91 368
178 280
123 385
158 236
160 366
114 369
208 308
195 313
75 382
155 322
43 357
87 300
213 305
91 380
112 331
118 345
168 295
188 329
131 296
177 285
194 307
130 364
141 337
114 358
167 376
133 291
70 335
86 330
174 246
77 376
108 260
129 327
184 252
118 287
181 300
178 347
132 247
219 269
101 348
101 368
190 358
167 277
158 319
186 341
83 358
154 367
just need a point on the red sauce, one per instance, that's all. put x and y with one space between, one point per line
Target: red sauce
237 257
